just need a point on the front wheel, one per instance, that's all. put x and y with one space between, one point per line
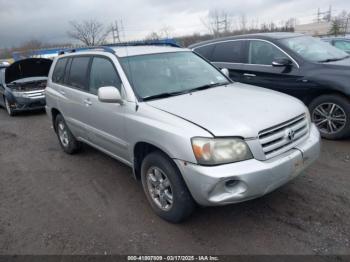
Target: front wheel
9 110
331 114
165 189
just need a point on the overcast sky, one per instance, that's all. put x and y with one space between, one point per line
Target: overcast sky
48 20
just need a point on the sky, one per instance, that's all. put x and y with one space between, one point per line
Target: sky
48 20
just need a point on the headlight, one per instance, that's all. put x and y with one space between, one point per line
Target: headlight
19 94
215 151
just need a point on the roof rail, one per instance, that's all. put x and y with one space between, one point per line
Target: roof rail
159 42
73 50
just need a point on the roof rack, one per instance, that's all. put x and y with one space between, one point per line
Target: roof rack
159 42
109 47
73 50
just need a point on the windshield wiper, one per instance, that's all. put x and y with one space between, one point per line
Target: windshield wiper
203 87
162 95
333 59
165 95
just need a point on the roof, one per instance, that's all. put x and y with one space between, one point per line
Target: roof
124 51
264 36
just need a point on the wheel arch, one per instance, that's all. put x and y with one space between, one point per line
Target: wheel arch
140 150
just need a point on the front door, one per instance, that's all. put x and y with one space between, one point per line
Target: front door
106 121
259 70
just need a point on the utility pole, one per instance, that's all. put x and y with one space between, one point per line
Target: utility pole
115 32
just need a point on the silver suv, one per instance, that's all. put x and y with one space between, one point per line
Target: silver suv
189 133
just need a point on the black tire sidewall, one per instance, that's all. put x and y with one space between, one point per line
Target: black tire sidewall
73 145
183 203
341 101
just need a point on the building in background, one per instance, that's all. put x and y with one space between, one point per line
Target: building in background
314 29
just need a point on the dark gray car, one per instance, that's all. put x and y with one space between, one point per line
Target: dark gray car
22 85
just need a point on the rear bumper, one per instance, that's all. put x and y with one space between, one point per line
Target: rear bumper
241 181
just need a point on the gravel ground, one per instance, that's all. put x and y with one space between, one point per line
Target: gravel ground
53 203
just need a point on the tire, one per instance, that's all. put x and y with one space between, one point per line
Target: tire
331 114
9 110
65 137
182 204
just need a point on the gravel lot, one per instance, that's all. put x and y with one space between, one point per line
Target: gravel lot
53 203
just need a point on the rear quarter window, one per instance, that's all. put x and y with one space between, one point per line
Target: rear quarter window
228 52
205 51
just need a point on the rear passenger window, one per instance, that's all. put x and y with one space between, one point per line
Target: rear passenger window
78 72
102 74
58 73
205 51
229 52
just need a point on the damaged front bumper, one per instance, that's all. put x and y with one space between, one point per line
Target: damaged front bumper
26 101
241 181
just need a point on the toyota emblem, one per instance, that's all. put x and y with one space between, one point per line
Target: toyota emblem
290 134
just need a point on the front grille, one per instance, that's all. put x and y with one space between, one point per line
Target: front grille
35 94
283 137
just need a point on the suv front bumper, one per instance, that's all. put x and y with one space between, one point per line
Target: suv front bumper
241 181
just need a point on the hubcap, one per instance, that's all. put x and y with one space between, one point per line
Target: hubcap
330 118
159 188
63 134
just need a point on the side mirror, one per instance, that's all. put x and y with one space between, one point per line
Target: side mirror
280 62
225 72
109 94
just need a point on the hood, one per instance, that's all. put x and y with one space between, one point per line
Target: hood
235 110
27 68
345 64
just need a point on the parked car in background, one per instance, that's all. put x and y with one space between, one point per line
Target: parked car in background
302 66
188 132
341 43
4 64
22 85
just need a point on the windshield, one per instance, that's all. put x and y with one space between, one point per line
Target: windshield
170 73
313 49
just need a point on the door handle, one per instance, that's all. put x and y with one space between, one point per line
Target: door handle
249 75
62 92
87 102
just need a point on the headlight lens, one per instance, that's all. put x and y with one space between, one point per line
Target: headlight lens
215 151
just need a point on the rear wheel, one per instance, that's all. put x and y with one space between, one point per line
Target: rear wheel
9 110
67 141
331 114
165 189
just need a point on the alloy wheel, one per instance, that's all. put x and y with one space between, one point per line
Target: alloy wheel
63 134
159 188
330 118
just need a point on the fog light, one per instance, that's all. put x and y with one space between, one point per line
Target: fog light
231 183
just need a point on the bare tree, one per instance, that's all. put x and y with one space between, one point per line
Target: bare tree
217 23
243 23
90 32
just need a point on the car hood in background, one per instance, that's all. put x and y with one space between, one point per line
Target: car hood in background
234 110
26 68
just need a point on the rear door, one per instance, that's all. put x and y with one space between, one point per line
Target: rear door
259 70
75 100
226 54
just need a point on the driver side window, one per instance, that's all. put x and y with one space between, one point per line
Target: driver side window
102 74
263 53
